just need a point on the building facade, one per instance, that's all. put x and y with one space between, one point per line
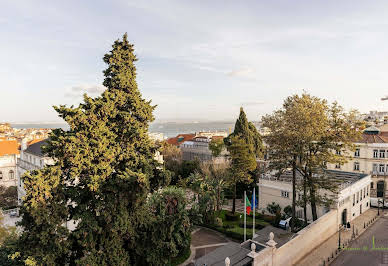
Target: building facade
352 199
370 157
31 158
9 153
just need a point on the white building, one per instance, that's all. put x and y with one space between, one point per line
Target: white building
9 153
31 158
352 199
370 157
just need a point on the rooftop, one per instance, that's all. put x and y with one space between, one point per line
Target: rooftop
8 147
345 178
180 139
36 148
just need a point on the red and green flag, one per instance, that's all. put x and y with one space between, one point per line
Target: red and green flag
247 205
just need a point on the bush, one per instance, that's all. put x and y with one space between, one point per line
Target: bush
274 208
231 217
288 211
277 219
219 222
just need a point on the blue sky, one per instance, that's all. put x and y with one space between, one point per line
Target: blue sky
198 60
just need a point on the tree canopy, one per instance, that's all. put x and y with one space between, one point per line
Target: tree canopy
104 169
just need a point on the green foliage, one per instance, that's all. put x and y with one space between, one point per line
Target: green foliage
303 135
104 169
247 131
8 245
232 229
216 146
8 197
288 211
243 145
168 231
274 208
173 162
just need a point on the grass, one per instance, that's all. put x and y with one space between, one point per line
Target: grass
233 230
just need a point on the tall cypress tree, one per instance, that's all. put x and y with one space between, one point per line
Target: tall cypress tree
104 170
247 131
244 145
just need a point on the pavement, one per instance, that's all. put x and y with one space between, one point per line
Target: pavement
203 241
371 248
328 248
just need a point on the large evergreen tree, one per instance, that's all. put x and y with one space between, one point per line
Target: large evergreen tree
104 168
247 131
244 146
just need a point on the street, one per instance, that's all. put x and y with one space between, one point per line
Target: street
363 252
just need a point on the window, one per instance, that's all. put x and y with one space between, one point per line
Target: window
354 199
367 190
356 166
285 194
380 189
361 195
371 184
364 192
299 197
375 153
11 174
375 168
357 153
338 152
382 153
1 175
41 163
358 195
299 214
338 166
381 168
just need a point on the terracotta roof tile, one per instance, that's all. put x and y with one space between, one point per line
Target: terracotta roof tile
8 147
180 139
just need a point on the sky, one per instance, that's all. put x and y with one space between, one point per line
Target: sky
198 60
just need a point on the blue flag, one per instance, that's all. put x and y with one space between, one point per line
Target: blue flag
254 202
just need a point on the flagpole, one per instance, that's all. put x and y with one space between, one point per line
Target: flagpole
254 206
245 215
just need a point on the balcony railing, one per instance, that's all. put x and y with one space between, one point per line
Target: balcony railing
27 165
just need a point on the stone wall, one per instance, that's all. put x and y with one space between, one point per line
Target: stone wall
306 240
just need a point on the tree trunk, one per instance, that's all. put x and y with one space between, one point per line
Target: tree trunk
305 199
312 197
293 194
234 198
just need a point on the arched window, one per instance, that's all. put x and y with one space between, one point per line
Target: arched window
11 174
1 175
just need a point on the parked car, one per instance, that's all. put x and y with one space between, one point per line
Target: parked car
284 224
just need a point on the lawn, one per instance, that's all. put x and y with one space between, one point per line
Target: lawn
232 229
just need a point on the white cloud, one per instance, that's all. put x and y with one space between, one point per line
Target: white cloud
79 90
244 72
